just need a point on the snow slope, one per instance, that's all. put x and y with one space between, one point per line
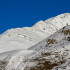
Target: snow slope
29 36
29 48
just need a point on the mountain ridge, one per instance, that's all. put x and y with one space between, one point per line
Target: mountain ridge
29 48
30 36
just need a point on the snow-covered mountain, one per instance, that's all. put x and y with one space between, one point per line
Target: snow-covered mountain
44 46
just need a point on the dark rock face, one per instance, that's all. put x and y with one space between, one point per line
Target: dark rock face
68 38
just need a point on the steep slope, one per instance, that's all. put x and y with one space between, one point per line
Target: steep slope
37 47
53 53
29 36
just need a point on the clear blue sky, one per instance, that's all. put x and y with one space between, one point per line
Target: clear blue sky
21 13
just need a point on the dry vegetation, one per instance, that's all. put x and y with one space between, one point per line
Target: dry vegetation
46 54
44 64
3 65
65 31
50 41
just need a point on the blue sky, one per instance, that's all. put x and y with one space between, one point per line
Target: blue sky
22 13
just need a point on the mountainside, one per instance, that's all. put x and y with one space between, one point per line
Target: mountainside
44 46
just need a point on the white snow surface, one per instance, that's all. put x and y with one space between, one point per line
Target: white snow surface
20 45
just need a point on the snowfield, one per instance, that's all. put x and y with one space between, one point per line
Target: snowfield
44 46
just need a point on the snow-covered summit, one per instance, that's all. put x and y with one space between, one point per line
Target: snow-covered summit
22 48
